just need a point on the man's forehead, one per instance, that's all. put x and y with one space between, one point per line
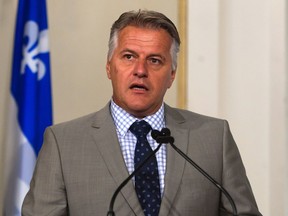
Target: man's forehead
144 36
144 30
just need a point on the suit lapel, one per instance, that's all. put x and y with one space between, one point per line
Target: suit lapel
175 163
105 137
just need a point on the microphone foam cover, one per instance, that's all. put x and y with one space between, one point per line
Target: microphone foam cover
165 132
155 134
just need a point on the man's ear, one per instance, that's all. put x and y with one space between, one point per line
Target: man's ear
172 78
108 69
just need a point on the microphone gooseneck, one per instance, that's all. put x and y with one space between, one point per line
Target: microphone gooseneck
165 137
119 188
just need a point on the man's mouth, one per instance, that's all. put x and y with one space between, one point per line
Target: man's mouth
138 87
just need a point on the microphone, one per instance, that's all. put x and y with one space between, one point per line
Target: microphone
165 137
119 188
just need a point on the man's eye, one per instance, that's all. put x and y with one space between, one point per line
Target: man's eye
128 56
155 61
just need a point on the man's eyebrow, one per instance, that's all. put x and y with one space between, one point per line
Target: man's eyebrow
128 50
149 56
156 54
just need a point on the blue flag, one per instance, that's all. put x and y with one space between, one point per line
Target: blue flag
30 103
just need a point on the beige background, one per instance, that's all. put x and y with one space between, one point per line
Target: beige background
236 61
78 36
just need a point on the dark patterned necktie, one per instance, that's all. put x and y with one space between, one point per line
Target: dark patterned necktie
147 184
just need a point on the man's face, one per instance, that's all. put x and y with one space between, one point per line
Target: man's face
141 69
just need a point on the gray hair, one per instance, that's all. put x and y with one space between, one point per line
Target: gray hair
145 19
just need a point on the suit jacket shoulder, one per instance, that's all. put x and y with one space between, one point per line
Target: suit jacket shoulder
189 119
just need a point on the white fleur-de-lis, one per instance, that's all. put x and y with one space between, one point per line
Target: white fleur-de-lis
30 51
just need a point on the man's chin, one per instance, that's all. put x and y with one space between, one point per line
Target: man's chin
140 111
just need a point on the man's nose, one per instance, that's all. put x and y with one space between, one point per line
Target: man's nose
140 69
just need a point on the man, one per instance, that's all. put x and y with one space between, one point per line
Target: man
82 162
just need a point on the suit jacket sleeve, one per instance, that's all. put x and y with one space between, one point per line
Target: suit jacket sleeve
234 179
47 191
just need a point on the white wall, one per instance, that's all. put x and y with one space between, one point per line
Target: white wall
237 71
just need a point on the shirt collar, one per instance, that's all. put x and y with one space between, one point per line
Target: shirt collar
123 120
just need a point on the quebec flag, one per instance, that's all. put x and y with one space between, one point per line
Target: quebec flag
30 109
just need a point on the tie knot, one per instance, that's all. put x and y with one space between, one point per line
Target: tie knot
140 128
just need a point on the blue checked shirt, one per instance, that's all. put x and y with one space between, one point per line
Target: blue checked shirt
127 140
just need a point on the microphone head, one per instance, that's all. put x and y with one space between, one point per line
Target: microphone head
155 134
163 136
166 132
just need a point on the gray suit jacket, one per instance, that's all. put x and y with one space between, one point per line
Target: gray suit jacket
80 166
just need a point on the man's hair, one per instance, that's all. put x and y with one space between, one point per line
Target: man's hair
145 19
